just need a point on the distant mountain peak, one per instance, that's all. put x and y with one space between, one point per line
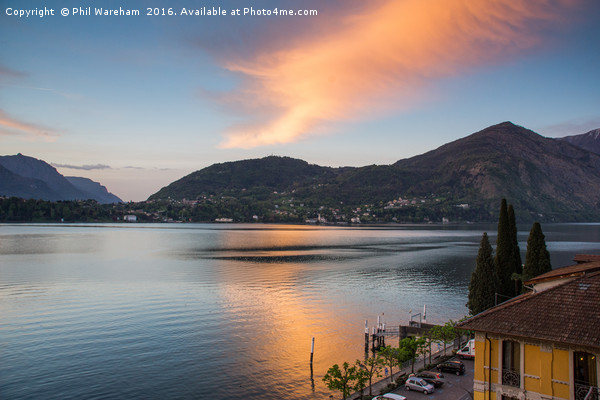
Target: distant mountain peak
589 141
30 178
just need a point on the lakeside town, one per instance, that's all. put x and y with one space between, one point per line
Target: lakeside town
283 209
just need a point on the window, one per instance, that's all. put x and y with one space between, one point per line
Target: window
586 376
511 363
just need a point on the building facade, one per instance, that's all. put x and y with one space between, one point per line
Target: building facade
544 344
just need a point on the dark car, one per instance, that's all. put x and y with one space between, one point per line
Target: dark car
432 377
453 366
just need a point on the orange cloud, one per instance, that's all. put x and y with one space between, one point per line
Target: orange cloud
12 126
378 61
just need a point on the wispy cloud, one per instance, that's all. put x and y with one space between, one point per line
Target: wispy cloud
82 167
380 59
10 126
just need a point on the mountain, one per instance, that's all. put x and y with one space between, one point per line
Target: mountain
95 190
589 141
266 174
537 174
30 178
546 179
12 184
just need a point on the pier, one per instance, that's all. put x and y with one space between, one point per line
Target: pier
415 327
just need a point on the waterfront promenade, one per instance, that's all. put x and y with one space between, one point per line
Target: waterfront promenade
455 387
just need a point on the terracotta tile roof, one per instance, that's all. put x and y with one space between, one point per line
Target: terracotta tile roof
564 272
584 258
568 313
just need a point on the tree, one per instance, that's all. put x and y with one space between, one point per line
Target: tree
516 258
371 368
389 358
506 262
340 379
448 332
430 338
362 377
410 347
503 252
484 279
537 258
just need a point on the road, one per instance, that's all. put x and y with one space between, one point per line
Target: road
454 388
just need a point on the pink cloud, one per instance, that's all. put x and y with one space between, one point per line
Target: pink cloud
10 126
375 61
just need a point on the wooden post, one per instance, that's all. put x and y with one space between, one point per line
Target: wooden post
312 350
366 336
374 337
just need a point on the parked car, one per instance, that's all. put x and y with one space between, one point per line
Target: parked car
453 366
419 385
389 396
432 374
432 377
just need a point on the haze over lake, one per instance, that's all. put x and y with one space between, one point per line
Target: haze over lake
222 311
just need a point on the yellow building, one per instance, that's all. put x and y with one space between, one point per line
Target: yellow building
544 344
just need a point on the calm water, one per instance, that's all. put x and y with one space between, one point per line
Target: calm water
220 311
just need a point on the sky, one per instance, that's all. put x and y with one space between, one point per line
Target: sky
136 102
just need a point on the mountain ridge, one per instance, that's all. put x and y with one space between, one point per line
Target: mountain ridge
589 141
541 176
30 178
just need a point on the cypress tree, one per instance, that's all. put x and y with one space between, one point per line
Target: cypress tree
484 281
516 258
504 254
537 258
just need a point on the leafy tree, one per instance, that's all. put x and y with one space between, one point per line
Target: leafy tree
436 335
429 337
409 349
444 333
484 279
449 331
371 368
390 357
537 258
463 332
341 379
362 377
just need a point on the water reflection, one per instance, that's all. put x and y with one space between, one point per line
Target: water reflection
192 311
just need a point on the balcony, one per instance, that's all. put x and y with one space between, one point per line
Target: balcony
586 392
511 378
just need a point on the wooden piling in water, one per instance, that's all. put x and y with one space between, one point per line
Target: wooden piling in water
312 350
366 336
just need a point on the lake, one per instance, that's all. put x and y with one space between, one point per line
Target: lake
191 311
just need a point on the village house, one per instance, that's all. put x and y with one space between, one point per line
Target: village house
544 344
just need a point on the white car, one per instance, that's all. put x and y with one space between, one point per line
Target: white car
419 385
389 396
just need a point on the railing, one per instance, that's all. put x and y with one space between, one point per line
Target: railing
586 392
511 378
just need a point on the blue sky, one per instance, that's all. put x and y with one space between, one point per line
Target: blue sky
136 102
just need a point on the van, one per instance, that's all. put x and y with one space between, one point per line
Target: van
468 350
